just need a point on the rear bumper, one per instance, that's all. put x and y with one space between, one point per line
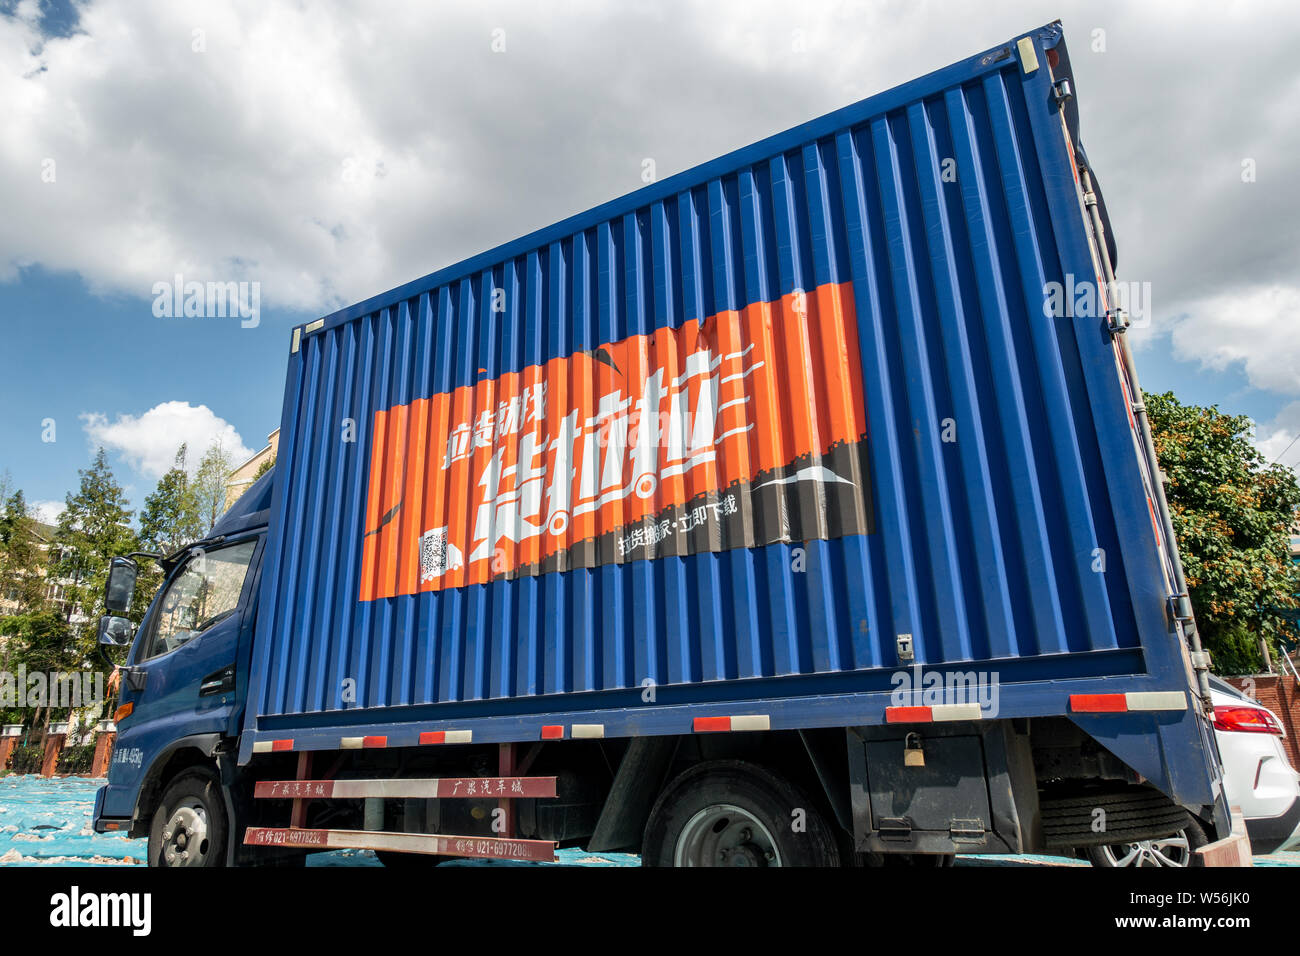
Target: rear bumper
1270 834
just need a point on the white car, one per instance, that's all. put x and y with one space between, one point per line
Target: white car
1257 776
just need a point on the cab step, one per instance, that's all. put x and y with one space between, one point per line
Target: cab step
503 789
433 788
493 848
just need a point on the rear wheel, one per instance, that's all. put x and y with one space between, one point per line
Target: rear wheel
1178 850
730 813
189 826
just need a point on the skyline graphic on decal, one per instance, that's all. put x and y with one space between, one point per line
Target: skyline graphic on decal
815 473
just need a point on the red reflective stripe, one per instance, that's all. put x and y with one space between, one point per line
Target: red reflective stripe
553 732
908 715
433 737
282 745
374 741
1099 703
704 725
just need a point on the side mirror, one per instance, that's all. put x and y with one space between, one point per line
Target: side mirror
120 587
115 631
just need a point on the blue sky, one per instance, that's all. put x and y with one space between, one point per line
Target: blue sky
324 153
75 352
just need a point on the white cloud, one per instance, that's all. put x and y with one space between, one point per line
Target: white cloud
149 441
47 511
1278 440
1254 329
334 151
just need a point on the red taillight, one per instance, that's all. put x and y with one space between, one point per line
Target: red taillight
1250 720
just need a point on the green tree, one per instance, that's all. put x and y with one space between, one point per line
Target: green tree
21 558
264 467
212 482
170 516
1231 511
44 642
93 529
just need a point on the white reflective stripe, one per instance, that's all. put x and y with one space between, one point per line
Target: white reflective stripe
352 743
955 712
458 736
261 746
751 722
578 731
1028 55
357 789
1156 700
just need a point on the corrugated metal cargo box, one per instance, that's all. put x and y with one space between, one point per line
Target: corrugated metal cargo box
740 434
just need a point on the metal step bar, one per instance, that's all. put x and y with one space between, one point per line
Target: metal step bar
504 789
493 848
436 788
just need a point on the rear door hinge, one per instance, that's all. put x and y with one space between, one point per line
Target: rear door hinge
966 831
895 828
1180 607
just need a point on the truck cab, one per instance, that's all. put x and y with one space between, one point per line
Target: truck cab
185 677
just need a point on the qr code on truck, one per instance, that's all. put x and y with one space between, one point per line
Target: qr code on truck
437 554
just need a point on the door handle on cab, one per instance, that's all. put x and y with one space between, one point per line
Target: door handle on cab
218 682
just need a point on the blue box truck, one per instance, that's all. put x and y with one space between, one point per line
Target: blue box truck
798 509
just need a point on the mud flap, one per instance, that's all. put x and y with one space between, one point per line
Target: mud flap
1232 850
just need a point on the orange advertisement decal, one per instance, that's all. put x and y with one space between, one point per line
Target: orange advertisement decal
744 429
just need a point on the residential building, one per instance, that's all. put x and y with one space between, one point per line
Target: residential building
243 476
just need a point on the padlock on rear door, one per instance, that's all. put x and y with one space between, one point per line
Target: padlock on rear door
913 755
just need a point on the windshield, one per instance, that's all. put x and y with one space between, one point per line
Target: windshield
205 592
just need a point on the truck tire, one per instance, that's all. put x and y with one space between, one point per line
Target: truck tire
1130 813
1178 850
731 813
189 826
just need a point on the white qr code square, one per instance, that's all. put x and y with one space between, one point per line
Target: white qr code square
437 554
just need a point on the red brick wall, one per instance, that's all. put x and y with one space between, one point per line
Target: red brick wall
1280 695
103 753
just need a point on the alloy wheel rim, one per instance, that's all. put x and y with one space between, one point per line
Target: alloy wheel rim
1173 850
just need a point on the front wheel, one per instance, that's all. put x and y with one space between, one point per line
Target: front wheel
1178 850
189 826
730 813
